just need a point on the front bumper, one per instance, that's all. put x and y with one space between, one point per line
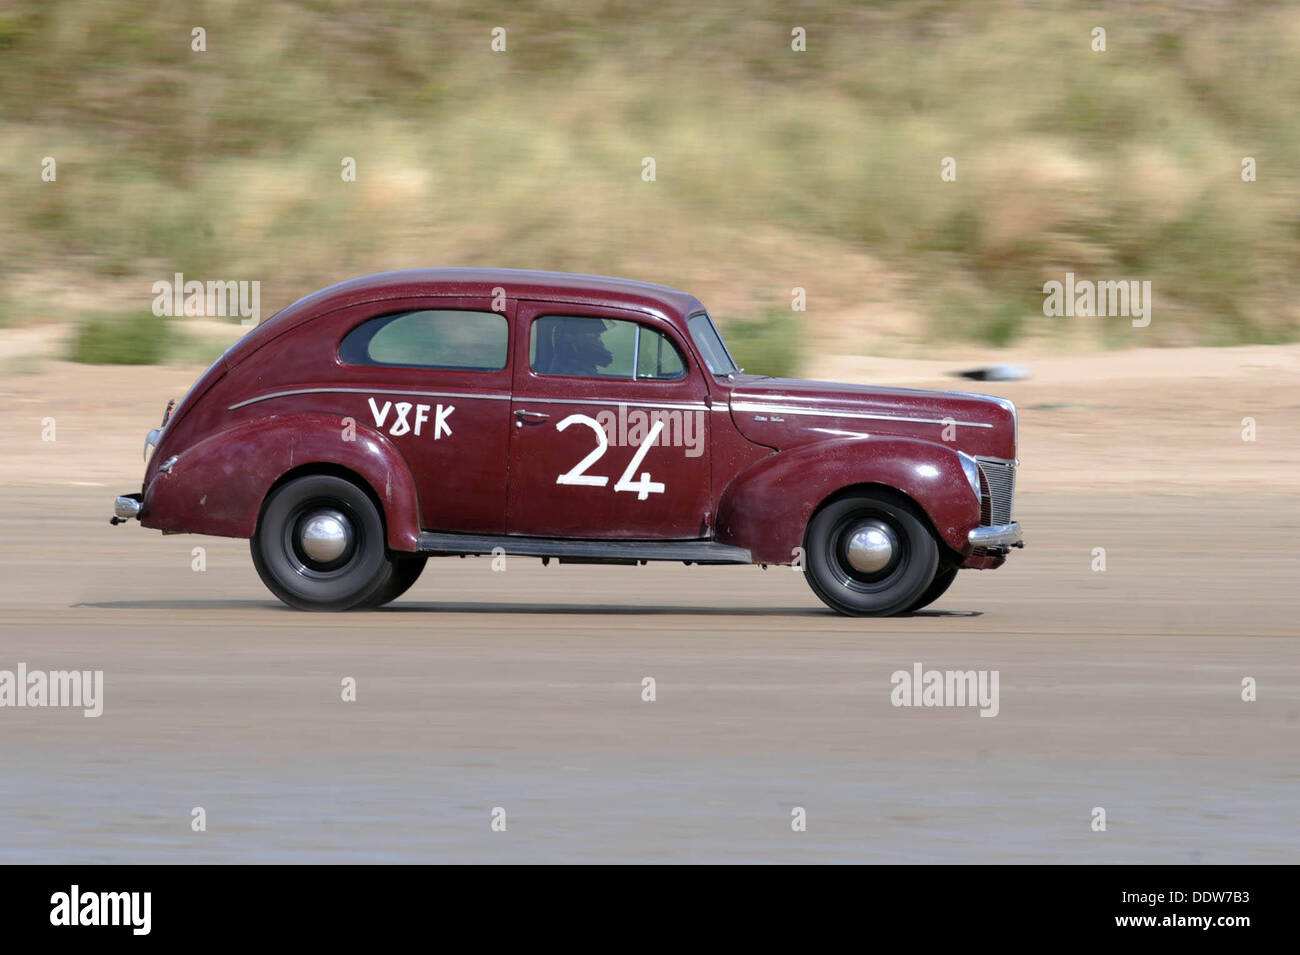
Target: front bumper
997 535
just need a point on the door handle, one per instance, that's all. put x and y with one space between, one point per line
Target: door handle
522 414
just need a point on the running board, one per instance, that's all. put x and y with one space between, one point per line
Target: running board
694 551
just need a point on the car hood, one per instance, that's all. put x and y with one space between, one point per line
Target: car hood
785 412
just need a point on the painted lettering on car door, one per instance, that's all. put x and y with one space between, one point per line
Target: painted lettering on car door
409 417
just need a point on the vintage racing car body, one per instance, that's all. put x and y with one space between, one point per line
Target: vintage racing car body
410 414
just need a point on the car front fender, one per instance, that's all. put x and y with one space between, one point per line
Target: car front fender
217 486
767 507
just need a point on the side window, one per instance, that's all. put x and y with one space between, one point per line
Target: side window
585 347
469 341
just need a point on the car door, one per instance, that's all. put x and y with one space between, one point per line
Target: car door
609 430
433 375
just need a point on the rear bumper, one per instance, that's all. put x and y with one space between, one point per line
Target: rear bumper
997 535
126 507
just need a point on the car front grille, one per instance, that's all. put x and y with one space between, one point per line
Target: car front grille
1000 482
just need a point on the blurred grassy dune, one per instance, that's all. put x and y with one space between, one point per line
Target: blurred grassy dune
775 169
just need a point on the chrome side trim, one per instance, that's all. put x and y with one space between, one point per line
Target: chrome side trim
691 406
740 394
820 413
999 535
363 391
842 434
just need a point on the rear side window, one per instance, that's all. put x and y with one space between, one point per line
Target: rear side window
584 347
468 341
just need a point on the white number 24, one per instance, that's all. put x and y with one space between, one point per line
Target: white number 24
643 487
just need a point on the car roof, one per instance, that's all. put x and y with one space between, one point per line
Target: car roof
518 283
596 290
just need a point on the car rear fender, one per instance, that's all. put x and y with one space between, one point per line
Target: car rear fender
217 486
768 506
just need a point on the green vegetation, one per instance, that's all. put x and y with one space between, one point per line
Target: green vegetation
771 344
9 314
774 169
140 338
136 339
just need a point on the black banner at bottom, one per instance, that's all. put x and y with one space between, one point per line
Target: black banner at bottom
333 904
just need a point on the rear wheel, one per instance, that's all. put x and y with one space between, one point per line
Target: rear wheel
406 572
870 555
319 545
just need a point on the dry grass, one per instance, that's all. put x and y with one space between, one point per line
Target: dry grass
775 169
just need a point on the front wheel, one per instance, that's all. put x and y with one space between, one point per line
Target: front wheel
870 555
938 587
319 545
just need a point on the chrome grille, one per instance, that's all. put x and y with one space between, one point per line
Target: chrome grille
1000 481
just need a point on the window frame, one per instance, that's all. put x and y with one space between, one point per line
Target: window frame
636 349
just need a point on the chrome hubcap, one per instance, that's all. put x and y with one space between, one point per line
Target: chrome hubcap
870 547
325 536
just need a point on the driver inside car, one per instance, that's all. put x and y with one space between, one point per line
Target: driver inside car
577 347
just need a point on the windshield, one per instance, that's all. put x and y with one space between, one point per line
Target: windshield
709 342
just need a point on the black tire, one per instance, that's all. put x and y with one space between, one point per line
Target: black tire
406 572
363 568
942 581
895 586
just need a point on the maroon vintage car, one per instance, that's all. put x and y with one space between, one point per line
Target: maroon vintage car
440 412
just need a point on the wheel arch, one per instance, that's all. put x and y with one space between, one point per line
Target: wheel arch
219 485
767 507
332 469
900 497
